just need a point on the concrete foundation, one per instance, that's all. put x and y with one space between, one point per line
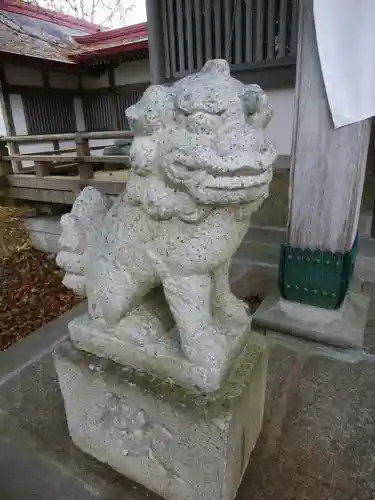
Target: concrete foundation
344 327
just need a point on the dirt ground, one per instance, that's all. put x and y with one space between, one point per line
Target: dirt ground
31 292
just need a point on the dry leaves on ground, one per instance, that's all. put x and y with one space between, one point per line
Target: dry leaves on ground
31 292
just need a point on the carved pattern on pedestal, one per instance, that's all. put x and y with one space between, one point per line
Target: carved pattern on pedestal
139 434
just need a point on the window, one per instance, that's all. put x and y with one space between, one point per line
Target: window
105 110
51 113
98 112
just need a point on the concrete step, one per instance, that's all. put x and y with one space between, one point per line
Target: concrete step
261 245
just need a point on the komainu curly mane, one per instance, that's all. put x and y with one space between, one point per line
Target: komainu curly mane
193 149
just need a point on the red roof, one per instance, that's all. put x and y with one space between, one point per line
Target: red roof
56 43
117 41
34 11
16 41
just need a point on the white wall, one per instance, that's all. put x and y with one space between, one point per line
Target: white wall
99 142
21 129
3 123
279 130
21 75
63 80
67 145
132 72
95 82
5 128
125 74
18 113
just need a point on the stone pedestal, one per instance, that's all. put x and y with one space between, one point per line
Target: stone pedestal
178 443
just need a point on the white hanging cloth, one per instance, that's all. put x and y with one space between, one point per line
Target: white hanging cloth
345 31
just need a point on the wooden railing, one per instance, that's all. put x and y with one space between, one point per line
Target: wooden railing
49 162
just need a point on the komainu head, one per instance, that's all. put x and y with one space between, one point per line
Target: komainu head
203 137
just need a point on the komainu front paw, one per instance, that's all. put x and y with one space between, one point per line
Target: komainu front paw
233 309
206 347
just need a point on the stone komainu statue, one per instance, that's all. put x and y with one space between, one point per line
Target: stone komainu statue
154 263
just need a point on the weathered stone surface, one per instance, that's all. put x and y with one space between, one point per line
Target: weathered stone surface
44 232
181 444
200 167
77 230
156 349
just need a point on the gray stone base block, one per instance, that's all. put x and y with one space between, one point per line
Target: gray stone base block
178 443
342 328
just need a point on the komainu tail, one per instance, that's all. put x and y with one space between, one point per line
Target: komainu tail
78 227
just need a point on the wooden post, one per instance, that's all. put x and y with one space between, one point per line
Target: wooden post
5 169
370 171
42 168
326 183
6 108
115 111
5 165
328 164
155 42
85 170
327 175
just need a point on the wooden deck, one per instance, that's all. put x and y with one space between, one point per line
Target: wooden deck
62 189
57 177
